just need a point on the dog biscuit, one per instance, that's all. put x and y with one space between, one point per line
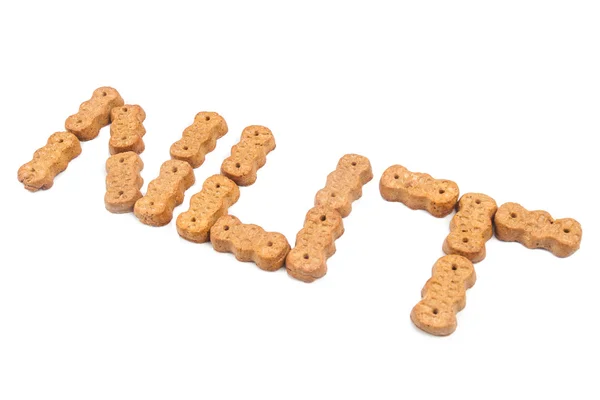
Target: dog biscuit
199 139
206 207
419 191
94 113
127 129
444 295
123 182
49 161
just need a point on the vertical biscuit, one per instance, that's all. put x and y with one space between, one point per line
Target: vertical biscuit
206 207
49 161
249 155
123 182
164 193
94 113
537 229
127 129
444 295
471 227
199 139
419 191
249 242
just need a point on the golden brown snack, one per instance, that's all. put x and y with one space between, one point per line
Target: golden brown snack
49 161
123 182
164 193
471 227
537 229
94 113
206 207
444 295
419 191
127 129
315 243
344 185
249 155
249 242
199 139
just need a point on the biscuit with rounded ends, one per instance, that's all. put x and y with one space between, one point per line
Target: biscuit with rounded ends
206 207
94 113
49 161
249 155
127 129
123 182
199 139
444 295
249 242
537 230
419 191
164 193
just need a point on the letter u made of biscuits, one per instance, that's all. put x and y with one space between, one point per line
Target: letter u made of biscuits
123 182
49 161
537 229
249 155
471 227
127 129
206 207
94 113
199 139
249 242
164 193
419 191
444 295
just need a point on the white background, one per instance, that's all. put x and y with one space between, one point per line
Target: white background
501 97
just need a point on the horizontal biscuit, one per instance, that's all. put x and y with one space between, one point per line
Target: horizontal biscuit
94 113
199 139
127 129
123 182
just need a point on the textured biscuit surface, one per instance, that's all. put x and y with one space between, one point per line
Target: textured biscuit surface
444 295
49 161
206 207
94 113
344 185
199 139
471 227
127 129
123 182
537 229
419 191
164 193
249 155
315 243
249 242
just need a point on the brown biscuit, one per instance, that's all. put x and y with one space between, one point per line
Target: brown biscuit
94 113
315 243
419 191
164 193
537 229
199 139
127 129
344 185
206 207
49 161
471 227
249 155
123 182
444 295
249 242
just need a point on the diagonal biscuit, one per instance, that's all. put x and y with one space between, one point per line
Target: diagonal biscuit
199 139
94 113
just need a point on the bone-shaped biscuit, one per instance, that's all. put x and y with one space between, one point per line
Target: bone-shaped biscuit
419 191
164 193
537 229
249 155
127 129
199 139
123 182
471 227
444 295
315 243
94 113
49 161
206 207
249 242
344 185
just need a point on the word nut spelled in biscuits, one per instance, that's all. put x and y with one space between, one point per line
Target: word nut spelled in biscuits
123 182
199 139
127 129
94 113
